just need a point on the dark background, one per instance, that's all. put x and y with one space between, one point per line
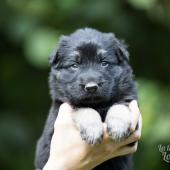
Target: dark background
29 30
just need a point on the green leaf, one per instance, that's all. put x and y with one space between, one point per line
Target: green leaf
38 45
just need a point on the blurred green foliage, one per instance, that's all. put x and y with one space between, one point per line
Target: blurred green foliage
29 30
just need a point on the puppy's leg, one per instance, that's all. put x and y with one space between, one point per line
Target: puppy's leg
118 120
89 122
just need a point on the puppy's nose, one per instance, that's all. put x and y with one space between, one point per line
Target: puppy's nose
91 87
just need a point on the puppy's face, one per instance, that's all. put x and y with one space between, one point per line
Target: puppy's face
88 67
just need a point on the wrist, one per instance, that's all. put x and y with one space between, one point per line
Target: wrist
55 165
62 164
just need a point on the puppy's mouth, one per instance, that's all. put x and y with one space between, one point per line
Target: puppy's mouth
93 102
92 99
89 100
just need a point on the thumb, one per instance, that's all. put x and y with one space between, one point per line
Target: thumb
133 106
64 114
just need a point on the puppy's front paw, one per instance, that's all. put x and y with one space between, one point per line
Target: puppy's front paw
118 129
90 125
92 133
118 122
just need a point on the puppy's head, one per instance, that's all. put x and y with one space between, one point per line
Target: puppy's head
89 67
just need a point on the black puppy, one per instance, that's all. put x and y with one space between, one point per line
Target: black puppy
90 69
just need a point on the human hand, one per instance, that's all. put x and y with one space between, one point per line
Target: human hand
69 152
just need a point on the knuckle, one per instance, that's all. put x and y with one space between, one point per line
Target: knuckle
65 107
137 136
132 128
62 106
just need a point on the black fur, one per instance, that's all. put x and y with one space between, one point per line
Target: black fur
101 58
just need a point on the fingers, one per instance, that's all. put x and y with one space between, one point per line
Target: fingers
64 114
140 123
122 147
135 136
133 106
125 150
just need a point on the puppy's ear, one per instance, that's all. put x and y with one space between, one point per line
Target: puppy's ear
120 48
122 52
53 58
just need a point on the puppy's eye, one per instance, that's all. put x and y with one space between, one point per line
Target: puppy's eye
104 63
74 66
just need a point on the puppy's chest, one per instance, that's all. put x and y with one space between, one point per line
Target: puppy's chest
103 112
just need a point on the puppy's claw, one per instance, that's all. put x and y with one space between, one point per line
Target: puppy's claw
93 134
118 130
